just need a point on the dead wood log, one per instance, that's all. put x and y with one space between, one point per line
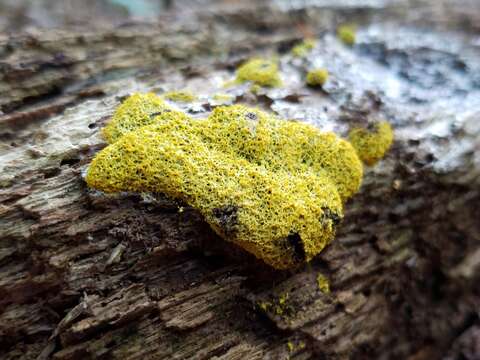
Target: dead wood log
84 275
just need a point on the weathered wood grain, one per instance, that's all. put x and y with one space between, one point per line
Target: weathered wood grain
84 275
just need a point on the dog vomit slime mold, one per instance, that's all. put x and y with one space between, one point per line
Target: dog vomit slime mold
274 187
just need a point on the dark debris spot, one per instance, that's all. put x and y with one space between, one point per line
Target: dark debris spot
295 241
328 214
287 45
152 115
293 98
227 217
49 173
121 98
371 126
267 101
6 136
69 162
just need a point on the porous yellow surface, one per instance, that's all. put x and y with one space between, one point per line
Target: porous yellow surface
261 72
289 145
371 145
137 110
346 33
273 187
302 49
317 77
323 283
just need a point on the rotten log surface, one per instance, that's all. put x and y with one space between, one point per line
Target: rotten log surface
84 275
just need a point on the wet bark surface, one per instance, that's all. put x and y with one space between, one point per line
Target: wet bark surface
86 275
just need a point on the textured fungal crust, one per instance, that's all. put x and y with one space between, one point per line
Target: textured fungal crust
346 34
180 96
302 49
371 145
259 71
137 110
292 146
323 283
273 187
317 77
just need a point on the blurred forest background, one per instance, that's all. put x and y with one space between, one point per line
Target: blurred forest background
18 15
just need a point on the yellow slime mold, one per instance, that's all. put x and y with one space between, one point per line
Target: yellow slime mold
274 187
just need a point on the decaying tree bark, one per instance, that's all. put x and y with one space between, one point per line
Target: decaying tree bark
84 275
